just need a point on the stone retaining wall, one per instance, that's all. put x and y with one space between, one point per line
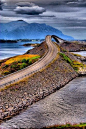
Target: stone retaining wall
30 90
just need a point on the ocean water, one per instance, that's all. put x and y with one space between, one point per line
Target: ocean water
12 49
82 53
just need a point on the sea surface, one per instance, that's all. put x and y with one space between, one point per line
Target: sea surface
13 49
82 53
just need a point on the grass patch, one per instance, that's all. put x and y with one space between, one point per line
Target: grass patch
16 63
75 64
68 126
76 55
76 42
66 58
21 58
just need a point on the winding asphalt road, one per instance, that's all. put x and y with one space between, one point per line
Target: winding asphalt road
41 63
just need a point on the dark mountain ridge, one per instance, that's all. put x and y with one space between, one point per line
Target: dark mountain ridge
22 30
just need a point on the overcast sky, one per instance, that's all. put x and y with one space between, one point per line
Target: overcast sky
69 16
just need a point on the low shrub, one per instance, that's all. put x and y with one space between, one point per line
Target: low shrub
6 72
23 65
29 62
13 66
24 61
5 66
76 65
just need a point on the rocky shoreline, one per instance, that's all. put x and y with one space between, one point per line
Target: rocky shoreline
74 46
30 44
20 95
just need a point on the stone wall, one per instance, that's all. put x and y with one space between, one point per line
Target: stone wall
22 94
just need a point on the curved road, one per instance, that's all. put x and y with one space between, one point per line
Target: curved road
44 61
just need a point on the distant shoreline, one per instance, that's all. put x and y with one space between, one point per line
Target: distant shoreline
20 40
8 41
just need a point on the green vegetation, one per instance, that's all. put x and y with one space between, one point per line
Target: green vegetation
5 66
66 58
75 64
76 55
68 126
25 61
76 42
64 50
17 63
6 72
23 65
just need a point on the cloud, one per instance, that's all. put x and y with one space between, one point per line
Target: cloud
79 3
29 9
8 19
47 14
67 15
25 4
1 5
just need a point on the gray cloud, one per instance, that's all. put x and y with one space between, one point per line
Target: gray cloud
67 15
25 4
77 3
35 10
1 5
71 2
47 14
29 9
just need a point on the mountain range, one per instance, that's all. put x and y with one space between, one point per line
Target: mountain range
22 30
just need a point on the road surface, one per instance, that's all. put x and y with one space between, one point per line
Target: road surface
40 64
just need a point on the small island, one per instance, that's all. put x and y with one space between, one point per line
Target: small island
30 44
